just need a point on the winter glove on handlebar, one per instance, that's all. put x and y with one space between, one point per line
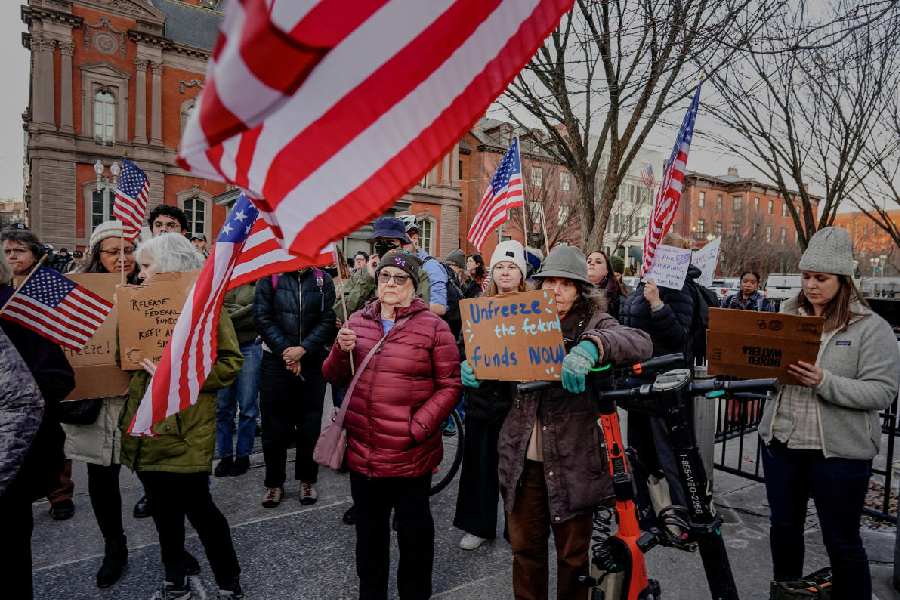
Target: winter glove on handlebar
576 365
468 375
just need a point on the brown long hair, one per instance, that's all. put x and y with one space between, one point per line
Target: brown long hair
839 311
493 291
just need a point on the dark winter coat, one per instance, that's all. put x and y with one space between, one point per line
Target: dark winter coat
671 327
490 402
575 466
21 413
55 379
283 322
406 392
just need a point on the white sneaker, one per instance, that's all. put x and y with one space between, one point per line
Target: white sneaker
308 494
471 542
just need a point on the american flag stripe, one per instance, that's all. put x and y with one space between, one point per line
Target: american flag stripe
59 317
91 303
41 327
389 97
132 199
496 212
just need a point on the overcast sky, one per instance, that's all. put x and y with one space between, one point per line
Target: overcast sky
14 71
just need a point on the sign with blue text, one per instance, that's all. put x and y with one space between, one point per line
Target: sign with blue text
516 337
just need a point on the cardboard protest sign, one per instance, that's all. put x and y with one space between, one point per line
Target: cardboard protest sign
147 315
516 337
750 344
706 259
670 267
96 373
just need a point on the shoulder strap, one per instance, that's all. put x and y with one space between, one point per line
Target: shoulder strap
339 418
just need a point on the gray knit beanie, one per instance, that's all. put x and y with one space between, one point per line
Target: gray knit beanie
829 251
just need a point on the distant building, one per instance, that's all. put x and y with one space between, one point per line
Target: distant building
874 249
12 212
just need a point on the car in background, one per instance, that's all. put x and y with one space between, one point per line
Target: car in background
781 286
631 282
725 286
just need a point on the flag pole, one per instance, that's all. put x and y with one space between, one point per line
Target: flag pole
524 199
24 281
341 264
122 256
544 231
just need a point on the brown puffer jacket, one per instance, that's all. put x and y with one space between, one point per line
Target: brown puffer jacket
575 466
408 389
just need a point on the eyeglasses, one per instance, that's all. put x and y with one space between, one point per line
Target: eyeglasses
386 278
116 252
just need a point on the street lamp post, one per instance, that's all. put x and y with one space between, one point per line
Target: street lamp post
114 171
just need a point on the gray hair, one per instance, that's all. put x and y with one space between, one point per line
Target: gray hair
171 252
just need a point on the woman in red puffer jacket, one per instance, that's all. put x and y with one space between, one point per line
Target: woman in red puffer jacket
393 424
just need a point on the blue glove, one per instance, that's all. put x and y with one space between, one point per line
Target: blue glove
468 375
576 365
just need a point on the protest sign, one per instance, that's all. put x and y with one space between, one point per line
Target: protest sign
750 344
516 337
96 373
706 259
670 266
147 315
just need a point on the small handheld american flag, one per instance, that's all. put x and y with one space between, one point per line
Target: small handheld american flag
504 192
57 308
132 196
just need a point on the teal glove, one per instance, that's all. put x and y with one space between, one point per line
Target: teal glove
576 365
468 375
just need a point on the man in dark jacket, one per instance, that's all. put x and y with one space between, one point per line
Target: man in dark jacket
294 315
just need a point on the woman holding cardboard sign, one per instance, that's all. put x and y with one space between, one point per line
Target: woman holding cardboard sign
552 471
487 403
821 436
406 383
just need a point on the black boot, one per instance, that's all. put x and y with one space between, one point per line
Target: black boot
115 560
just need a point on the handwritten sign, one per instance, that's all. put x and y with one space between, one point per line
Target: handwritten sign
670 267
750 344
96 373
516 337
706 259
147 315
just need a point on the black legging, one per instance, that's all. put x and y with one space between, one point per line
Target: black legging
106 500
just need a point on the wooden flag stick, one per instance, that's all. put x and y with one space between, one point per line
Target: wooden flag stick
122 256
24 281
339 258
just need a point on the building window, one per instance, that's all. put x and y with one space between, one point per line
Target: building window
736 228
701 200
616 227
701 228
719 202
756 204
426 234
537 176
563 216
718 228
101 206
104 117
755 229
195 210
768 233
771 207
736 203
784 209
564 182
783 235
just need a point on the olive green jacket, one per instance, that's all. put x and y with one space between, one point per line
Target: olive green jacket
184 442
239 304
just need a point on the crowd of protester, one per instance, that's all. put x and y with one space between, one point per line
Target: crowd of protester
387 340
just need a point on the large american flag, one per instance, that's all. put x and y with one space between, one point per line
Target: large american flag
670 188
330 110
503 193
57 308
132 196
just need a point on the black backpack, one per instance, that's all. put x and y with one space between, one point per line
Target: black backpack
703 299
454 295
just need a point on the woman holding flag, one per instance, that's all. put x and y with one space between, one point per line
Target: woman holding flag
174 465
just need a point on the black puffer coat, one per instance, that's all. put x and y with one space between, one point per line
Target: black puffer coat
281 320
672 327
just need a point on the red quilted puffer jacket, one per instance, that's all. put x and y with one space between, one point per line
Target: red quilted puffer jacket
401 400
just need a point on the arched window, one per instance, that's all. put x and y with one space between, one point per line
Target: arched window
195 210
104 116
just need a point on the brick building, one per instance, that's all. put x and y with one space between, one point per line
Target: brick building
874 249
118 78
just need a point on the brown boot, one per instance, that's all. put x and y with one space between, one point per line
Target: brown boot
272 497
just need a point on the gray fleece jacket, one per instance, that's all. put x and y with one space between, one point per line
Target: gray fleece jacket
862 377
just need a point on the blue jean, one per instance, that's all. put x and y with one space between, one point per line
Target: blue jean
838 486
243 395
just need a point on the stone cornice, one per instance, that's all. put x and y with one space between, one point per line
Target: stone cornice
167 44
38 13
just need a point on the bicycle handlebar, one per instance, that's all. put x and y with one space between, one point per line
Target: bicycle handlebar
652 365
704 386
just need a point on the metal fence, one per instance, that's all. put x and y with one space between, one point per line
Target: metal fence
738 447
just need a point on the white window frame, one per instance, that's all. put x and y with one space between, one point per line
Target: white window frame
768 233
196 193
537 177
737 203
564 182
701 200
87 193
426 242
104 132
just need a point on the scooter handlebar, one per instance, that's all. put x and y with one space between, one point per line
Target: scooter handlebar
650 366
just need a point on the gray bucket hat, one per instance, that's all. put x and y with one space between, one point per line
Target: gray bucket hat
829 251
565 261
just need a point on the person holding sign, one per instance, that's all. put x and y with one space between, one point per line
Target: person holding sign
820 437
174 466
749 298
487 403
97 444
552 471
405 385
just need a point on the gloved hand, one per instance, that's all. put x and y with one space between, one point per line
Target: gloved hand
468 375
576 365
